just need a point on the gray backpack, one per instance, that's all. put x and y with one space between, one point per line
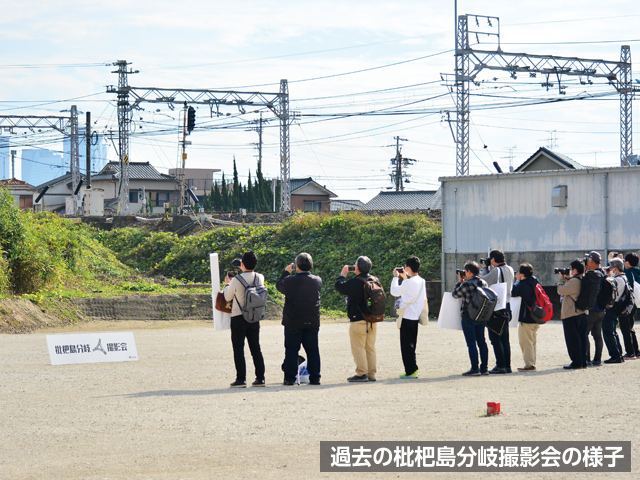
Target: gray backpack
255 300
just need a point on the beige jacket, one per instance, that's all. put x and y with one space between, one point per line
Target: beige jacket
570 289
235 291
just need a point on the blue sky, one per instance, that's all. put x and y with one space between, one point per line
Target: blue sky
340 58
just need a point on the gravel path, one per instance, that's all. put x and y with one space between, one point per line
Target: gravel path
171 415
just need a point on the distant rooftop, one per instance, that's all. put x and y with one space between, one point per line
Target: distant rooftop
407 200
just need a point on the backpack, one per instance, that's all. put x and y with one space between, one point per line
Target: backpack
375 300
255 300
482 304
625 301
542 310
589 290
607 293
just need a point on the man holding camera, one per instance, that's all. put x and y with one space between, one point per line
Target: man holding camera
361 332
412 293
574 321
500 272
596 314
468 283
301 318
610 322
240 328
525 287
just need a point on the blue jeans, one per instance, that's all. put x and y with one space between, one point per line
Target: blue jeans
308 338
474 336
610 335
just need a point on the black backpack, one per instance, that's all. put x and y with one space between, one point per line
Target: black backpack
482 304
591 282
375 300
607 292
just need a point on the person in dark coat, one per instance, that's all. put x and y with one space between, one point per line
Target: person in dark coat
301 318
525 287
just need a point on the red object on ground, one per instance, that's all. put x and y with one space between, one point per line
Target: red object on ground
493 408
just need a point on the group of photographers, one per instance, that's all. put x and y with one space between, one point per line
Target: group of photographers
591 304
301 317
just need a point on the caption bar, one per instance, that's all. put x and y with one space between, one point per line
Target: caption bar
603 456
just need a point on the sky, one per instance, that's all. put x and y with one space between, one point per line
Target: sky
360 74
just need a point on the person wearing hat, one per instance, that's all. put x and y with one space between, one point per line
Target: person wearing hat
596 314
610 321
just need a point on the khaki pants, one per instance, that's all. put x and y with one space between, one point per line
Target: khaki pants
528 337
363 347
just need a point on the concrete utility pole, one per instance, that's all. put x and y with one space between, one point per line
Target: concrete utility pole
13 163
278 103
470 62
398 162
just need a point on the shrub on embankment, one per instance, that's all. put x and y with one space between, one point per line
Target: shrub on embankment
42 251
333 241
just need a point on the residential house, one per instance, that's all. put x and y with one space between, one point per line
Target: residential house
21 192
544 159
308 195
147 186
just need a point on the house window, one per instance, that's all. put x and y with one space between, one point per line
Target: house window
162 198
311 206
133 197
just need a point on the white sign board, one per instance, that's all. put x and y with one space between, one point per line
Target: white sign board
221 320
70 349
451 318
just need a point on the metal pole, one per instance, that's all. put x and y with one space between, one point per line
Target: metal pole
626 96
285 187
74 161
184 158
87 131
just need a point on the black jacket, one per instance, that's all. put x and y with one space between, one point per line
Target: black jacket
354 290
526 289
302 299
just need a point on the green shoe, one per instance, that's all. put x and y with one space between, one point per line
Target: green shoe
415 374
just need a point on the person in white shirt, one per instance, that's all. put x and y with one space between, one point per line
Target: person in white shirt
412 292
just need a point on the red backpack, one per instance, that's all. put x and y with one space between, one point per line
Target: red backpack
542 310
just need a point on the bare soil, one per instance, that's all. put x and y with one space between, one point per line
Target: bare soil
171 415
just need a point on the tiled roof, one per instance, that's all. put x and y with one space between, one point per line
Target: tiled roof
298 183
559 158
408 200
62 179
14 182
137 171
340 204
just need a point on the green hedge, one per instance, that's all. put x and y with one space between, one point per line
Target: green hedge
332 240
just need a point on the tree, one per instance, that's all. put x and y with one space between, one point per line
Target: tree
237 193
224 197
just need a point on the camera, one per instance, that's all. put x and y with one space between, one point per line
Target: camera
563 271
231 273
460 272
352 268
400 269
236 262
485 261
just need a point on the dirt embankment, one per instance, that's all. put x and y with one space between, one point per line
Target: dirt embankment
22 316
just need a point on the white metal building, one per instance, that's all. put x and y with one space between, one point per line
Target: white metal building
546 218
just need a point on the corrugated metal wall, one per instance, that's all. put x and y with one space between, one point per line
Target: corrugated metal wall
513 212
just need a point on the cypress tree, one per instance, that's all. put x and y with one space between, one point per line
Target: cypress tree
224 200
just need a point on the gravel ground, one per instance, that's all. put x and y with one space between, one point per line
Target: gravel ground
171 415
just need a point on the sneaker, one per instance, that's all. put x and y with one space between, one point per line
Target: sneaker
258 383
239 384
372 379
288 383
497 370
629 356
615 360
526 369
472 373
415 374
596 363
358 378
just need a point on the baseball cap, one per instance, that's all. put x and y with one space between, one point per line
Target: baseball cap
595 256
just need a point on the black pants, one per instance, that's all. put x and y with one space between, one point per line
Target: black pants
241 329
628 333
308 338
575 336
408 341
594 327
501 345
